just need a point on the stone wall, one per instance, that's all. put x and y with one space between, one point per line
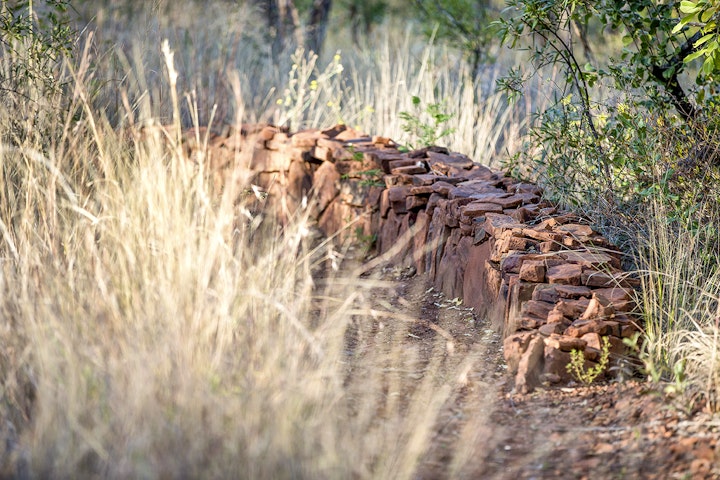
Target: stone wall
545 277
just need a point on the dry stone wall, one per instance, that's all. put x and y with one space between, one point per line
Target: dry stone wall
544 276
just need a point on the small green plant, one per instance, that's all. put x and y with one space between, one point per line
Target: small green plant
422 132
577 369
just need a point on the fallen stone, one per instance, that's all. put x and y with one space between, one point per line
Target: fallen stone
530 366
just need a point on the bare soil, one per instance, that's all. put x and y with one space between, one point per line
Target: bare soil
624 429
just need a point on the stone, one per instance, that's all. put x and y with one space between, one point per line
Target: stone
533 271
548 247
546 293
425 179
496 223
402 162
383 159
588 259
514 346
409 170
581 327
565 343
531 366
555 364
598 308
414 202
397 197
537 309
572 291
574 229
556 316
572 308
620 298
567 274
592 340
551 328
442 188
421 190
442 163
306 138
325 185
476 209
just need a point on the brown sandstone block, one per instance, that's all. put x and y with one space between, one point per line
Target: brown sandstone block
409 170
533 271
413 202
514 346
567 274
565 343
581 327
530 366
572 308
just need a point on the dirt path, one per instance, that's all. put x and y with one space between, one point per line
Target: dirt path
484 430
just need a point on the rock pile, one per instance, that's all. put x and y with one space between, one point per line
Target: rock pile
546 277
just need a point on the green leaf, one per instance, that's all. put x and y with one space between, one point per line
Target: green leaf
704 39
689 7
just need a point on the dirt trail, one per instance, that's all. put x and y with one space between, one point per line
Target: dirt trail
483 430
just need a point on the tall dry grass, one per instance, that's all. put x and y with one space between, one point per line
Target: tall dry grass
153 327
679 300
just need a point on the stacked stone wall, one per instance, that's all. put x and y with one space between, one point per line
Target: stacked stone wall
544 276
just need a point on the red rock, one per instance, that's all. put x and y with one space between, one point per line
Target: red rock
440 162
530 367
414 202
567 274
476 209
620 298
537 309
306 138
555 362
425 179
556 316
572 291
325 184
442 188
572 308
565 343
548 247
409 170
546 293
575 230
551 328
533 271
514 346
587 259
592 340
581 327
423 190
397 197
598 308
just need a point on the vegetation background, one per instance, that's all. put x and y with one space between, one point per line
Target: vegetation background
124 355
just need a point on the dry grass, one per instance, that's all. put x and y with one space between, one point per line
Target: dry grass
680 304
154 328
